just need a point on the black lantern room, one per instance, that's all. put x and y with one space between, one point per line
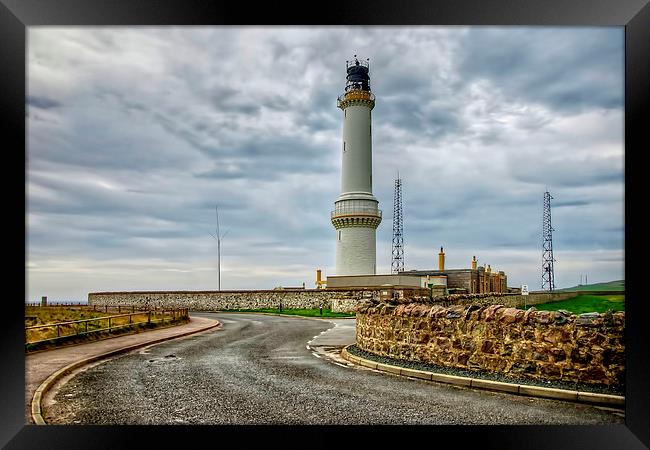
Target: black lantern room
358 78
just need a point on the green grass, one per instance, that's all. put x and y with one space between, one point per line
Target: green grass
614 286
314 312
587 303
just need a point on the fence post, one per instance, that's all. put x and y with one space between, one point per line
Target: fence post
149 317
57 330
109 324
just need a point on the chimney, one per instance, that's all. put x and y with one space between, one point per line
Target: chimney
441 260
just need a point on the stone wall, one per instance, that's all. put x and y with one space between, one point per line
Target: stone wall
492 298
338 300
545 345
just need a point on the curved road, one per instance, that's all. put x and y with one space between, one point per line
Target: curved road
258 370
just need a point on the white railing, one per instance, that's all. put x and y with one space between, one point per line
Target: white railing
356 210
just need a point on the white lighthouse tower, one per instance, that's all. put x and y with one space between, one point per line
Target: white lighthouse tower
356 215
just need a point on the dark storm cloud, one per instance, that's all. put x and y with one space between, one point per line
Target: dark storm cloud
558 67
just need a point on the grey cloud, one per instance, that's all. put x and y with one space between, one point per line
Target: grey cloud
42 102
565 203
568 172
194 135
564 68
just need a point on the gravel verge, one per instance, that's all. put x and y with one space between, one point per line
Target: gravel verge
484 375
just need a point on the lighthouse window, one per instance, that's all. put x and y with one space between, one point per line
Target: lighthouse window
339 235
343 146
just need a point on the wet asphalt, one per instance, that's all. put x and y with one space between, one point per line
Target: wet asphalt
259 369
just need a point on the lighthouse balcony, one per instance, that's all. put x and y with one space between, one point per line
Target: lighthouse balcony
355 95
356 217
356 211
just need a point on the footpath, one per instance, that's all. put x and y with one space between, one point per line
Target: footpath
44 368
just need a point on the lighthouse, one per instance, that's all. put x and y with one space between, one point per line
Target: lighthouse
356 214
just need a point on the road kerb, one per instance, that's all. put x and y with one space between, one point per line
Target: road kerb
556 394
388 368
527 390
602 399
37 412
413 373
495 386
451 379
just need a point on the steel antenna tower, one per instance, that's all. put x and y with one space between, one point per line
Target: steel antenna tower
548 278
218 238
397 264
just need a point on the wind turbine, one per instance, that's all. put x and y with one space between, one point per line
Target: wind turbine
218 238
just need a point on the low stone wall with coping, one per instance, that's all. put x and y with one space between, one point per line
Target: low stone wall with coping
336 299
339 300
545 345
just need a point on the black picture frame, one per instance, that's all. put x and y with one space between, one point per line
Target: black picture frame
634 15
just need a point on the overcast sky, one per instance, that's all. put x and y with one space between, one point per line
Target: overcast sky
135 133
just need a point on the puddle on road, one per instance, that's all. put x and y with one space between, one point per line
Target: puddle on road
166 358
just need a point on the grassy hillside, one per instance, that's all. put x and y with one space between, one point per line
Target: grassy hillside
585 303
613 286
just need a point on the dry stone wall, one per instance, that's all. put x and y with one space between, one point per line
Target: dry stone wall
545 345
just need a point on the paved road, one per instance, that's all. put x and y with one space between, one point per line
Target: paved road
260 369
40 365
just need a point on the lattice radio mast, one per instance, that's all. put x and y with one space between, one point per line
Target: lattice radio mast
397 264
548 278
